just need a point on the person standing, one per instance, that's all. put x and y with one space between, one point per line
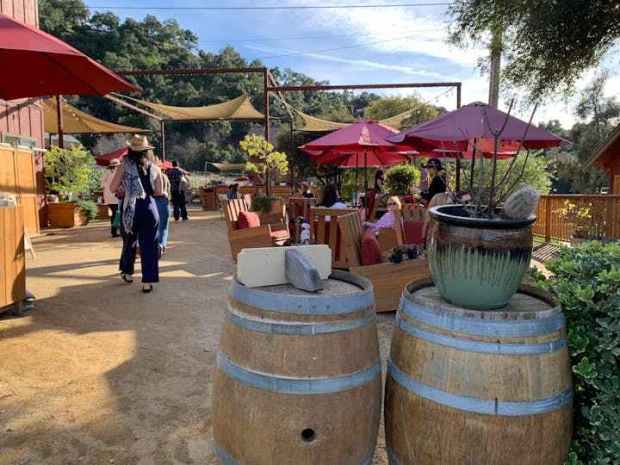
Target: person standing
109 197
177 184
163 208
438 181
139 180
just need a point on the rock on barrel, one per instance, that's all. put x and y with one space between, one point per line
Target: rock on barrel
478 387
298 378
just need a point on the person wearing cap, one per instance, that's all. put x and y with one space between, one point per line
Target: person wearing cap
109 197
138 180
438 181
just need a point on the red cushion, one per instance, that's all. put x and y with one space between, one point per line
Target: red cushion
371 251
248 220
414 232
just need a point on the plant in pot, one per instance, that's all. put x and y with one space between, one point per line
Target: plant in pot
399 179
69 173
268 163
479 251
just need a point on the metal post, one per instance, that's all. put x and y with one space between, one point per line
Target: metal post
59 116
162 125
266 97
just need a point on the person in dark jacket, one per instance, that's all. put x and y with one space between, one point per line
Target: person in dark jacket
438 180
176 175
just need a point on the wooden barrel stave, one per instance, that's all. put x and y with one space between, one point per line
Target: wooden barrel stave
455 395
282 374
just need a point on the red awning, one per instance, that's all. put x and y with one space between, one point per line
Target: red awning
36 64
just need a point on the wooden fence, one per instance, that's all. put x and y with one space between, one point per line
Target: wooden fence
604 211
18 177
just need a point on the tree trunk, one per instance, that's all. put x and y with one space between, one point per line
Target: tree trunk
495 67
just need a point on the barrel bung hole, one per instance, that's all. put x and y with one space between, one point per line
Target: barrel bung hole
308 435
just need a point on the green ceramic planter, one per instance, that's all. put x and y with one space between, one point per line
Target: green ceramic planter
478 263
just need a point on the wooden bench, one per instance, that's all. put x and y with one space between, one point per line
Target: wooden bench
324 230
388 279
262 236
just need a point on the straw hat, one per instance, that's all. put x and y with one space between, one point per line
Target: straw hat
114 162
139 143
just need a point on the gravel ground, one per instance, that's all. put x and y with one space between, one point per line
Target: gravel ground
100 373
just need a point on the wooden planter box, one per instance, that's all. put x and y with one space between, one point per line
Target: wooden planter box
103 212
65 215
208 199
12 258
276 215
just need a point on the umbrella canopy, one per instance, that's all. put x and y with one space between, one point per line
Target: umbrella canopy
363 136
455 131
38 64
369 158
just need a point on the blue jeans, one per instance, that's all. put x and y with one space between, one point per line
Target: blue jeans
164 217
146 234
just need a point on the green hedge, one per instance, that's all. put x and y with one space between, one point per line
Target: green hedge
587 282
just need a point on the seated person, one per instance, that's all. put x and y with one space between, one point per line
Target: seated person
305 190
233 192
438 180
331 198
387 221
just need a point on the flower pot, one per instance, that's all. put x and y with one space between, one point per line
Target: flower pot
478 263
65 215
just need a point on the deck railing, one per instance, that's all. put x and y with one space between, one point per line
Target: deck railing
603 209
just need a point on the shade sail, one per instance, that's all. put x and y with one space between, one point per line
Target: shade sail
240 108
455 130
78 122
313 124
36 64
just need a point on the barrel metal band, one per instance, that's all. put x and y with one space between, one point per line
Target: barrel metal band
482 406
392 458
498 328
309 304
290 385
227 459
298 329
480 346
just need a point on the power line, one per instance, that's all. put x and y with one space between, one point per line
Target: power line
266 8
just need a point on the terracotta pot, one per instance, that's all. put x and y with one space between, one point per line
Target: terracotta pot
65 215
478 263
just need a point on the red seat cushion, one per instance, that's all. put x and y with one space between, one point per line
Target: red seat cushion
371 251
280 235
248 220
414 232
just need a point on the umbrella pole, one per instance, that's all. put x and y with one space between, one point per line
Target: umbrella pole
162 126
59 116
473 165
357 185
366 172
458 172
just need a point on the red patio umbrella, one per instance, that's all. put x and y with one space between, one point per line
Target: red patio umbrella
37 64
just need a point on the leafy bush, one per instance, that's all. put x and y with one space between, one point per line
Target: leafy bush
89 208
69 171
587 282
262 204
399 179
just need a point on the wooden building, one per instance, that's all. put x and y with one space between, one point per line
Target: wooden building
608 158
21 121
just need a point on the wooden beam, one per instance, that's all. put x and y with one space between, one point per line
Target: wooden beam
189 71
60 119
363 86
132 107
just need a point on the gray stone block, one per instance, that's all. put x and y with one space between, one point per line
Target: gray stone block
301 273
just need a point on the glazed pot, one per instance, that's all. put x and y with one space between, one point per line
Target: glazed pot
478 263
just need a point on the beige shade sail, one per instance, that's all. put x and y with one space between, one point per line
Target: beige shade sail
78 122
313 124
240 108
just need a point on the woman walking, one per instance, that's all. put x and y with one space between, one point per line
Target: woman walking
138 181
163 208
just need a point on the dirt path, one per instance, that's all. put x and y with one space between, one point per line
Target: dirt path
102 374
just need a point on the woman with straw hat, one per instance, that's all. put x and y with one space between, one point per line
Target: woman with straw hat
138 180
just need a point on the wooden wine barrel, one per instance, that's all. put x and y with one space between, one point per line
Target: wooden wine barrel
478 387
298 378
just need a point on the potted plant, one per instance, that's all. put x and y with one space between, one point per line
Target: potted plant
399 179
69 173
479 251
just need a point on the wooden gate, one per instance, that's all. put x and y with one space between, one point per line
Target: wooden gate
18 177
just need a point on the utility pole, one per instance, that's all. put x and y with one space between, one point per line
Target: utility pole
495 66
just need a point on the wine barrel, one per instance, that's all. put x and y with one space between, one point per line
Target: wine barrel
478 387
298 379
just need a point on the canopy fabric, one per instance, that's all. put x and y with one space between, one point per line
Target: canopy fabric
240 108
313 124
37 64
78 122
119 154
367 159
455 130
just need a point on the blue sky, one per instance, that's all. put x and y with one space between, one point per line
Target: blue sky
352 46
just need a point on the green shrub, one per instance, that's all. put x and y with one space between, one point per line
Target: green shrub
587 283
262 204
89 208
400 179
69 172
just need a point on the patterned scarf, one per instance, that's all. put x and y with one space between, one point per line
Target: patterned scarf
133 189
